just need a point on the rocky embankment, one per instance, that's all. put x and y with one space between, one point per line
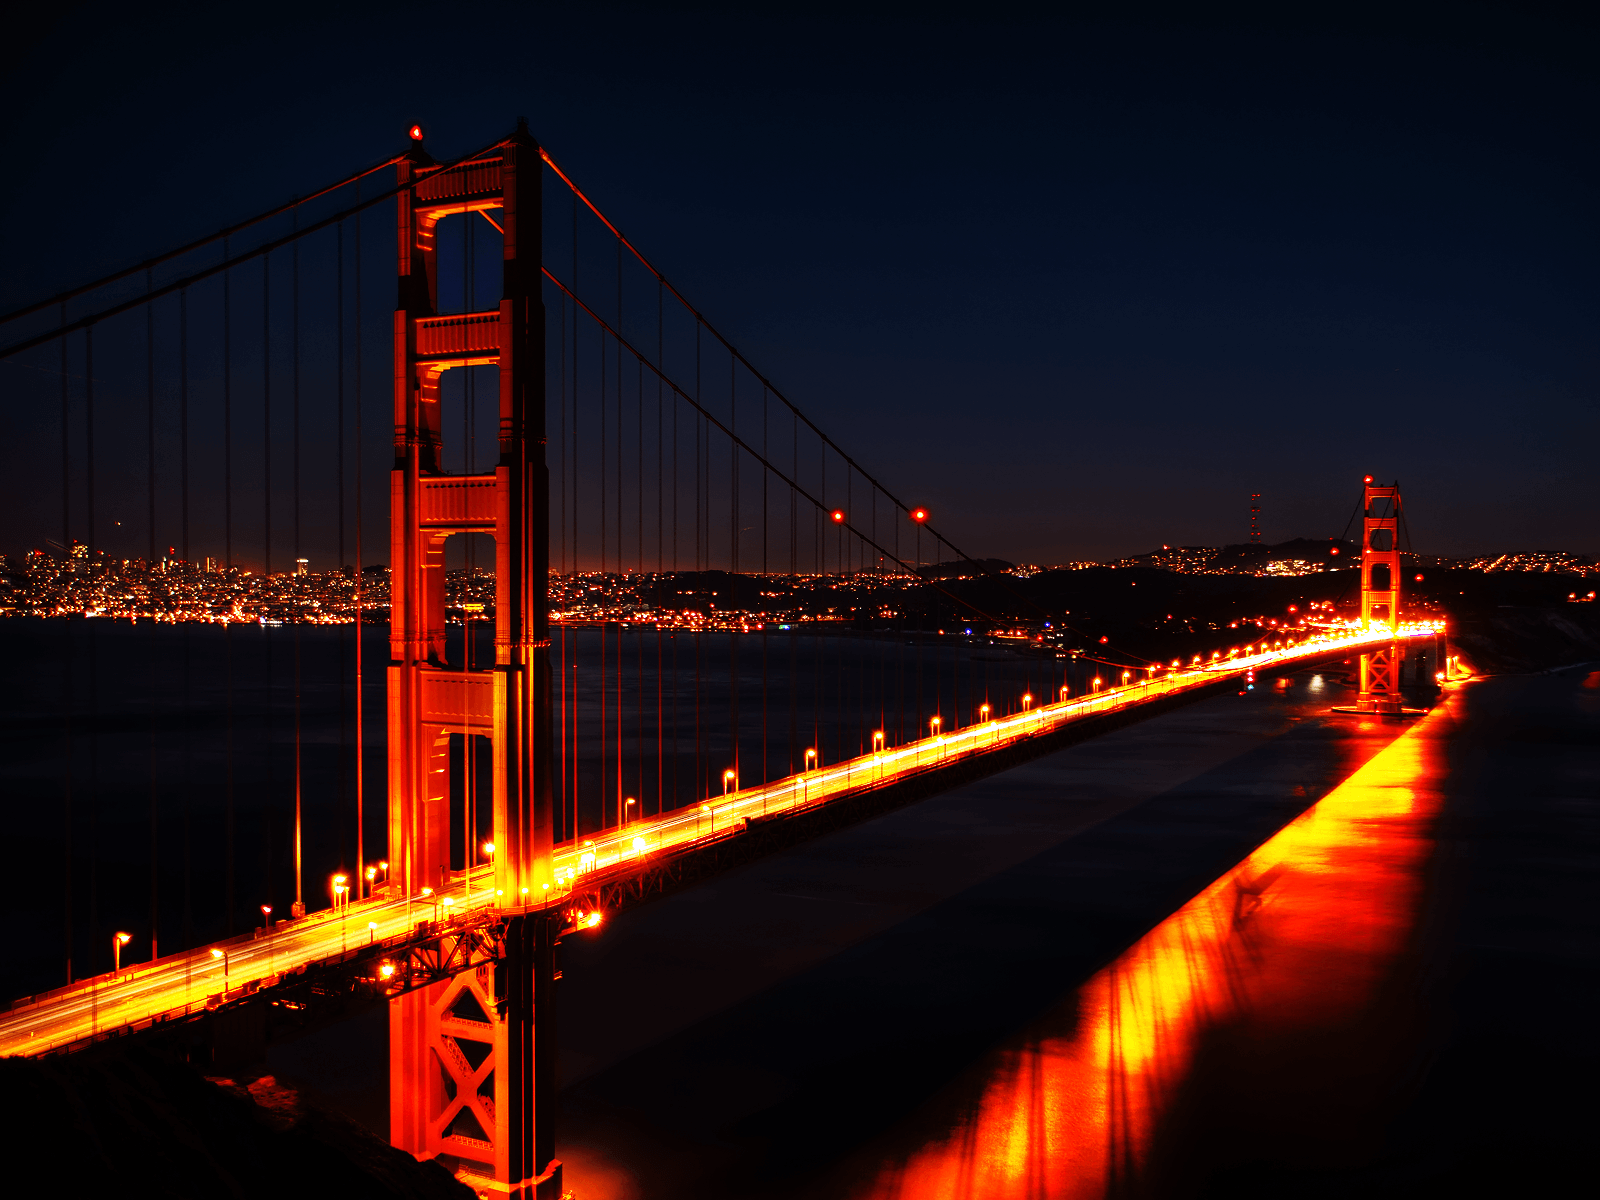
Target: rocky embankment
1514 641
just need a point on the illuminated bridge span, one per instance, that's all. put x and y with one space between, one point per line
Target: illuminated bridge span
599 581
184 984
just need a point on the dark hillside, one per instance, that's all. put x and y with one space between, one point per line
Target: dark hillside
127 1120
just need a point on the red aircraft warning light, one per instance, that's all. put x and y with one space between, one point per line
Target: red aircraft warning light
416 133
838 516
919 514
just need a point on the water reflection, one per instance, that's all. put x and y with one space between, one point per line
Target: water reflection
1291 944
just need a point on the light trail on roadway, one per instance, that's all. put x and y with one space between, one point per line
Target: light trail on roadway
184 984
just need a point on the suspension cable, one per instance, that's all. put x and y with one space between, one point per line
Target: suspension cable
710 419
220 235
733 350
265 248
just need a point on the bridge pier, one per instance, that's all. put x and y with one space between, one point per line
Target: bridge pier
1382 667
470 1082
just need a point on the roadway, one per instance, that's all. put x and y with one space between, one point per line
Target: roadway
180 985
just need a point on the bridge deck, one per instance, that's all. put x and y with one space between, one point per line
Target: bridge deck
181 985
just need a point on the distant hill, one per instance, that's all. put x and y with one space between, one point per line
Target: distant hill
966 568
1334 551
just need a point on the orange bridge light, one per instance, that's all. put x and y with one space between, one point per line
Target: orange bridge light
838 516
416 133
919 514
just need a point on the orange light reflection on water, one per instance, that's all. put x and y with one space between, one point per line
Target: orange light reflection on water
1292 942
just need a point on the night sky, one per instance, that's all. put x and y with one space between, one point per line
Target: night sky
1079 285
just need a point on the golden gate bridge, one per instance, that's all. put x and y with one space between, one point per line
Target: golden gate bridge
629 470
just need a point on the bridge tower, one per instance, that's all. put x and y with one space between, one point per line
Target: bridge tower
472 1058
1380 595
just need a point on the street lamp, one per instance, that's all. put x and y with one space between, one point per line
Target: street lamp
934 725
118 941
223 955
1027 700
877 741
1063 693
811 759
627 804
266 916
727 778
983 711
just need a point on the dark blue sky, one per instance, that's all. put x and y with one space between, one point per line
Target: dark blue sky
1080 286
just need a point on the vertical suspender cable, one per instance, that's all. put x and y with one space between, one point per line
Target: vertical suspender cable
66 657
338 482
188 567
733 570
621 568
361 739
622 571
266 573
765 620
699 566
94 698
660 550
294 394
150 479
794 580
227 555
601 624
576 638
675 770
469 824
638 632
563 830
